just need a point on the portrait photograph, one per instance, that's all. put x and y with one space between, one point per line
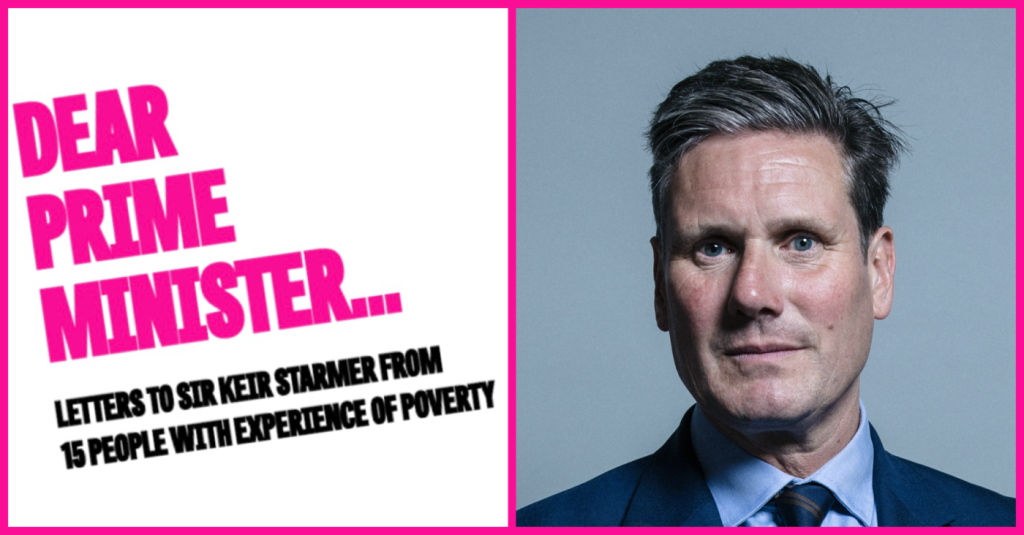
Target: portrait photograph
765 267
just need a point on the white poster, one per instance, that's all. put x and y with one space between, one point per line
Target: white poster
257 267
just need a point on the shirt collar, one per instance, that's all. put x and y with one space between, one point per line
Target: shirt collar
742 484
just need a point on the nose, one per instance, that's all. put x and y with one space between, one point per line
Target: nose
757 285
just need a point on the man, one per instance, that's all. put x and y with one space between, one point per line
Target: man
771 264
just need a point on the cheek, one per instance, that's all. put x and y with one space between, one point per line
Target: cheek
832 299
694 306
697 302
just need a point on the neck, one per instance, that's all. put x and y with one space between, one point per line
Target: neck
801 449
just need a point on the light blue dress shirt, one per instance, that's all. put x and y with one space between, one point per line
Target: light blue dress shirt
742 485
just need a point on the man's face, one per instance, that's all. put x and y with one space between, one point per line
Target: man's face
768 299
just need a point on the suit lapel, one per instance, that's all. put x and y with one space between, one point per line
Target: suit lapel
672 491
901 498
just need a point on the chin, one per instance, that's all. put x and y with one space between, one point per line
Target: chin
771 410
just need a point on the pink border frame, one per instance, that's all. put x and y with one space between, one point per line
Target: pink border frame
511 214
511 6
999 4
511 267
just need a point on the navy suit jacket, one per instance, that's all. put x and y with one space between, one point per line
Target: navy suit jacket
668 489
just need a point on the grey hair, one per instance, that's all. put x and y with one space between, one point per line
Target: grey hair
776 94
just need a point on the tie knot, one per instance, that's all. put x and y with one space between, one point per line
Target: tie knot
804 505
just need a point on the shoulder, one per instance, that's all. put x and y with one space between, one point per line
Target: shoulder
602 501
666 488
972 505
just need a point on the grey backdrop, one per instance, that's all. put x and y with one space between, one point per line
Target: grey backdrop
596 386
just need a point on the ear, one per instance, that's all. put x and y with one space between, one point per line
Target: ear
660 299
882 270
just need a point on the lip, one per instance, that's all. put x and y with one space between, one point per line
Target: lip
762 352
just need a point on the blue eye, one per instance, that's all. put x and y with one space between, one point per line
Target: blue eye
712 249
803 243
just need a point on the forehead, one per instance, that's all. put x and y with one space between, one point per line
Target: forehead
761 173
753 159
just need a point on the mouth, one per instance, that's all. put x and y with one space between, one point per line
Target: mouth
762 352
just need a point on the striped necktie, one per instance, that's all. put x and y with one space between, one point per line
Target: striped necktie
803 505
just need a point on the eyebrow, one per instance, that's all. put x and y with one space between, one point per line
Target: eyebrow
809 222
